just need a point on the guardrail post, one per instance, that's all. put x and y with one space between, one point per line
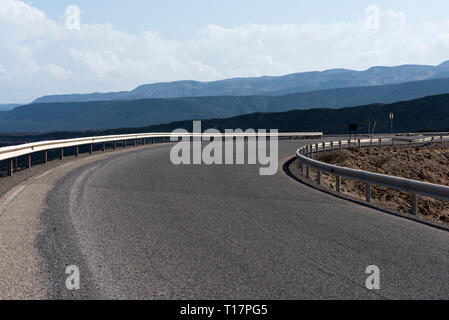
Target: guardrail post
114 145
143 141
414 203
10 167
28 161
307 171
61 153
124 143
77 151
134 142
370 142
360 143
349 143
332 146
339 145
301 166
380 142
324 146
103 146
441 138
44 156
91 148
318 177
368 193
337 183
392 141
317 148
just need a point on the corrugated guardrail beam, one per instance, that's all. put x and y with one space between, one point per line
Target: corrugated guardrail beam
11 152
305 155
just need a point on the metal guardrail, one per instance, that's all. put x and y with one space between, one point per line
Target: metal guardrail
305 158
12 152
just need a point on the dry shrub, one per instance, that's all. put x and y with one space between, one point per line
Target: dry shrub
382 160
335 157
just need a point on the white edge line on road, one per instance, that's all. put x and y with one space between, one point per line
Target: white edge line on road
11 197
50 171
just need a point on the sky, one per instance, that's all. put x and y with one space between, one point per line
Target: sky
80 46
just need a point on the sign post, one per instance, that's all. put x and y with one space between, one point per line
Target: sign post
352 129
391 121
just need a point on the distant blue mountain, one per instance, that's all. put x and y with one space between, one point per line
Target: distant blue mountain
270 86
7 107
62 116
424 114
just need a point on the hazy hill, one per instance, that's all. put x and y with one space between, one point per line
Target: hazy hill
292 83
7 107
429 114
46 117
424 114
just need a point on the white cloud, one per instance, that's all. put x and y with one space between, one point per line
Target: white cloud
57 72
40 56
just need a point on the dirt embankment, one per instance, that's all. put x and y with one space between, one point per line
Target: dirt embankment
429 163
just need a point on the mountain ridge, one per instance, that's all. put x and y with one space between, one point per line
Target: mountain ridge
46 117
266 85
424 114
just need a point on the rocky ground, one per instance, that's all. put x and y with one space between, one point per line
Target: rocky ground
429 162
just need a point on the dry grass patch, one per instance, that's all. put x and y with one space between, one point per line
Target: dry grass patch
429 163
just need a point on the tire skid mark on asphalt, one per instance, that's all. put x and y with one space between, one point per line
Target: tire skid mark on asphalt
13 193
59 242
21 217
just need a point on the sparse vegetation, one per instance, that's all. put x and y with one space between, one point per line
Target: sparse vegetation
380 161
429 163
336 157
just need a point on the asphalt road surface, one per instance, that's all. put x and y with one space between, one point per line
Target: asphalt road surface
139 227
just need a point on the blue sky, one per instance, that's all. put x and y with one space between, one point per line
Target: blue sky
80 46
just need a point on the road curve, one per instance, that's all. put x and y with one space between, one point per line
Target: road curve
139 227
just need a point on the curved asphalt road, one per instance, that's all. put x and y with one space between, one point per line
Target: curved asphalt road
139 227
